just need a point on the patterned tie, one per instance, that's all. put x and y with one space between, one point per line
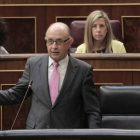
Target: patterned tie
54 83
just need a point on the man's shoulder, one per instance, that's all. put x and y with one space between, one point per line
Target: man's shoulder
38 58
80 63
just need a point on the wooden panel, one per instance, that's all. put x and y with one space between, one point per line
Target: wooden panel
112 77
36 12
68 19
47 14
54 11
21 35
9 114
136 78
131 33
39 13
10 77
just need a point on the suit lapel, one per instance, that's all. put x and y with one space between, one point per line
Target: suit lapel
44 77
69 76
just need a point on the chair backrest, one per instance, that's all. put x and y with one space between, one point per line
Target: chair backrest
120 106
77 28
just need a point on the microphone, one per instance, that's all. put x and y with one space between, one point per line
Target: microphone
29 86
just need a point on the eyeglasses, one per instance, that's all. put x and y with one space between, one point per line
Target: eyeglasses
58 41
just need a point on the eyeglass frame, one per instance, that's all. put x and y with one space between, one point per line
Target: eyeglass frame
63 41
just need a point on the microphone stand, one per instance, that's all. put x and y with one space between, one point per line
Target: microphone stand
29 86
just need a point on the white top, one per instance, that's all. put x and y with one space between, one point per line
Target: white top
61 69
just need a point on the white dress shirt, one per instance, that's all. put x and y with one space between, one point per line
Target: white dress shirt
61 69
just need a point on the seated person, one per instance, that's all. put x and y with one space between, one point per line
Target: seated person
3 34
98 37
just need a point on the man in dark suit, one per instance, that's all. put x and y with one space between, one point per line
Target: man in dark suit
76 101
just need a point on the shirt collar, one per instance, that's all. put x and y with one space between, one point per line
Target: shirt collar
62 63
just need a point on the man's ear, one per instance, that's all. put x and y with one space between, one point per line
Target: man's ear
71 41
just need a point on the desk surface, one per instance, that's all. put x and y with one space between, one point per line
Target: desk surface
98 61
79 56
100 134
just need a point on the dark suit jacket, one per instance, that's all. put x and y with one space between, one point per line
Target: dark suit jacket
77 98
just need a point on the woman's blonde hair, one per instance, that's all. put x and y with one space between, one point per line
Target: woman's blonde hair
88 38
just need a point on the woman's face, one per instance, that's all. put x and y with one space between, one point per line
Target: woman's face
99 30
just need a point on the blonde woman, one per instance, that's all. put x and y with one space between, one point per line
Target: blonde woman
98 36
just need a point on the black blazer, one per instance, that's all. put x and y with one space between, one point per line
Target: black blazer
77 98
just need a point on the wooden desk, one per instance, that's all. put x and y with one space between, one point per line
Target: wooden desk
109 69
114 69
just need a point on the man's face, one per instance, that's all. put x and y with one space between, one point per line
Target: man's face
59 49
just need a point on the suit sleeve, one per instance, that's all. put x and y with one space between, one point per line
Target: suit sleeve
90 100
15 94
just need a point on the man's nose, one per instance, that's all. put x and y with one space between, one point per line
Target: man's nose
54 45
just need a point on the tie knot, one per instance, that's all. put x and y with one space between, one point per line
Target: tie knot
55 64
